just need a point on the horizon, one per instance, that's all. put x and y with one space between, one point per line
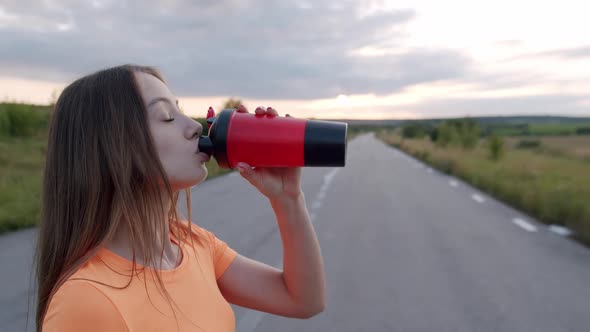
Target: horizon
581 117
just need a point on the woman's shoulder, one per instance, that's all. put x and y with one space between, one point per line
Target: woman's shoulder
77 305
200 232
222 254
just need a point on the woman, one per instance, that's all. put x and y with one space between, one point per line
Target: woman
113 255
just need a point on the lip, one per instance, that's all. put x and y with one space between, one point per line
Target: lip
205 156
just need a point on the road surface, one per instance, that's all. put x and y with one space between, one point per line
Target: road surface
406 248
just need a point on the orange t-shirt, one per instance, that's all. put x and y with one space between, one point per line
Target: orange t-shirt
81 305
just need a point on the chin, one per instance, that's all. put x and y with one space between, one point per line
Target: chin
200 178
181 184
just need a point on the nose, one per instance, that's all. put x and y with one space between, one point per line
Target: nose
195 129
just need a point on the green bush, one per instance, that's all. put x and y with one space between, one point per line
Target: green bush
468 132
413 130
463 132
4 123
496 147
21 120
447 135
433 134
232 103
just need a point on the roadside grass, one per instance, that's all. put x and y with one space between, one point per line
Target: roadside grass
22 160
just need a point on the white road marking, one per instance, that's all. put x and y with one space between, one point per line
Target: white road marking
316 204
430 170
524 225
331 175
560 230
453 183
478 198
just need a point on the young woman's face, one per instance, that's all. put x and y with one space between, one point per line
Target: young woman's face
176 140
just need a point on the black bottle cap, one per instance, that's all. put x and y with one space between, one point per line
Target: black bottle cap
325 143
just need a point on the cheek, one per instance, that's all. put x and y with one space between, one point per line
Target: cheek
165 148
182 168
170 155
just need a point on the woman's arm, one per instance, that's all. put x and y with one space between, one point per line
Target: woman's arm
297 291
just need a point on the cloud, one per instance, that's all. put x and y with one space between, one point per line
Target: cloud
257 49
577 52
300 51
550 104
573 53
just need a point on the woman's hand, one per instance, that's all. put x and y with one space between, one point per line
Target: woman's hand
272 182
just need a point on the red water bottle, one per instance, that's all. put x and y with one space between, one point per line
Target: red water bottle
273 141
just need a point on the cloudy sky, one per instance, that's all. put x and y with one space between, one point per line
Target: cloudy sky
324 59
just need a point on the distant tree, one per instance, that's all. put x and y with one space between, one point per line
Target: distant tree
468 132
231 104
414 130
433 134
447 135
463 132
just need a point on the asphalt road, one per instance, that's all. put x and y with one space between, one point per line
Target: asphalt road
405 249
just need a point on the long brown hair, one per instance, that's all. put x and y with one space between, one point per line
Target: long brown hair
101 170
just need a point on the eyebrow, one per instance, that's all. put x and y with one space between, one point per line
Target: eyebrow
157 99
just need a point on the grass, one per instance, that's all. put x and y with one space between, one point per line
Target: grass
554 189
22 120
567 146
21 170
553 128
556 128
21 163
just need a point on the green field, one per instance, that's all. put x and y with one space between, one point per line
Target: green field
542 128
571 146
21 163
556 128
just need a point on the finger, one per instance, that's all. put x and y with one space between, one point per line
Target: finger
248 173
288 115
242 166
259 110
271 111
242 109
